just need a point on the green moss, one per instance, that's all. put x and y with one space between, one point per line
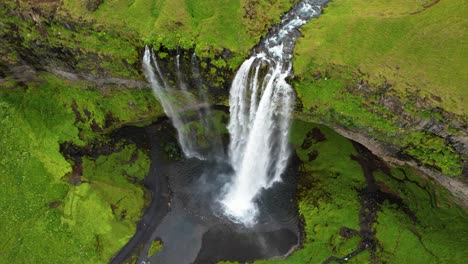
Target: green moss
393 49
327 194
44 219
91 50
105 109
155 247
434 151
210 25
328 100
107 205
414 46
328 199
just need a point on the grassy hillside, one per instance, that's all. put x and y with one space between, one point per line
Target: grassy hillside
419 47
46 216
389 69
211 25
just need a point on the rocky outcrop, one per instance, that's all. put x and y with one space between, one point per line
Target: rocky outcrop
391 154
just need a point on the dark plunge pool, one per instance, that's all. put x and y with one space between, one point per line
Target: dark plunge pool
186 216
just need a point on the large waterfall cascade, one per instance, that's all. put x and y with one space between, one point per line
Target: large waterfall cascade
260 101
260 108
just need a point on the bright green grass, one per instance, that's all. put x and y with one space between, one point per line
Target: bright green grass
44 219
328 200
438 236
155 247
414 49
328 100
104 209
209 24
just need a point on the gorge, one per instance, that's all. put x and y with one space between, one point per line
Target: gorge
198 132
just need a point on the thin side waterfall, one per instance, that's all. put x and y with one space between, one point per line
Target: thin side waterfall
190 116
260 108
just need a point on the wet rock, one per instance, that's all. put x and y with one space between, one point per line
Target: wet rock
317 135
313 155
77 171
226 54
307 143
348 232
23 73
93 5
392 103
55 204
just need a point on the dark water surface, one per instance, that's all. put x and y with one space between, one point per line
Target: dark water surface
186 217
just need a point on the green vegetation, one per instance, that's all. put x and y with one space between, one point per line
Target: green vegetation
438 235
327 100
417 47
102 211
329 200
413 51
210 25
327 194
155 247
68 45
382 68
45 219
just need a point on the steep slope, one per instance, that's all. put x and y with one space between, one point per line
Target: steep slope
393 74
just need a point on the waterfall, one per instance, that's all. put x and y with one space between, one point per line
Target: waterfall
260 108
261 103
183 108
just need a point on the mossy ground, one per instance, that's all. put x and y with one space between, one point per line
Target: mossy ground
155 247
66 45
329 200
102 211
383 67
44 218
209 25
418 47
327 100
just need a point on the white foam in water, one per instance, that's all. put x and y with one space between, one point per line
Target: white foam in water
260 109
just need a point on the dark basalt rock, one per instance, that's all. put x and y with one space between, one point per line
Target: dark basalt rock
93 5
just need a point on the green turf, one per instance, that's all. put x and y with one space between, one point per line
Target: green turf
45 219
210 25
328 200
327 100
418 47
410 51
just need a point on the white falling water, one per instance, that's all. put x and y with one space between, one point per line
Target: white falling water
175 102
260 109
